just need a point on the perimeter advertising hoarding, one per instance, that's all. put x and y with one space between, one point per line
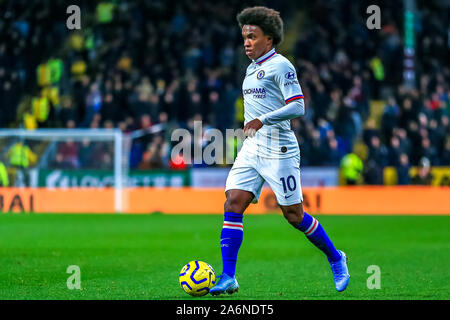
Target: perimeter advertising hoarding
105 178
188 200
196 177
311 177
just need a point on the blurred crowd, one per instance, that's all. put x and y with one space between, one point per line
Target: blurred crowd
136 64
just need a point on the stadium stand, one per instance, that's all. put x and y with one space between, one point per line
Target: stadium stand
135 64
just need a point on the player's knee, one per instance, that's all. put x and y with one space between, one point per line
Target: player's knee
232 204
237 201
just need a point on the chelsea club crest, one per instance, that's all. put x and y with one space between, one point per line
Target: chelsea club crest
260 75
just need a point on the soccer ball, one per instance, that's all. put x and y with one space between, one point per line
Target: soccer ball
197 277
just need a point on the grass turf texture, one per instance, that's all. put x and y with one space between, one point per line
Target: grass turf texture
140 256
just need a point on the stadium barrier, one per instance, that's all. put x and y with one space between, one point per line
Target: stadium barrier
335 200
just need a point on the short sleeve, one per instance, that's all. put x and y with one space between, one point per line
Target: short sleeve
286 79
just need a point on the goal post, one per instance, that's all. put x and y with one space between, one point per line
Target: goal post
107 148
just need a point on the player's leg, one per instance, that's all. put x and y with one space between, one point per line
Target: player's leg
315 233
232 232
283 176
312 229
242 187
237 200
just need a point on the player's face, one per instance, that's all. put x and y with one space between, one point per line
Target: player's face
256 43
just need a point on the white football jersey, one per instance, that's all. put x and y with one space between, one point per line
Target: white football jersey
270 83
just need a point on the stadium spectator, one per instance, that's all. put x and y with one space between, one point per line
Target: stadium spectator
423 176
405 142
352 168
429 151
390 118
67 113
21 156
378 152
85 155
110 108
394 152
153 156
403 177
4 178
93 104
68 154
373 173
445 158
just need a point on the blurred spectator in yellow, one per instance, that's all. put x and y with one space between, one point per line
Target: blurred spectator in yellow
43 74
41 109
29 121
56 69
21 156
4 180
352 167
78 69
52 94
124 63
105 12
77 41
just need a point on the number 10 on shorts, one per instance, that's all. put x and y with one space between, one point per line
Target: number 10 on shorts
289 183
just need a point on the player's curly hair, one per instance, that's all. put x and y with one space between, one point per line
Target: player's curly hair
267 19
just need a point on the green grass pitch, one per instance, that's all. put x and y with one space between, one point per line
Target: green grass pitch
140 256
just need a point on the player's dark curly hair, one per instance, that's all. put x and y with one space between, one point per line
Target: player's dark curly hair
267 19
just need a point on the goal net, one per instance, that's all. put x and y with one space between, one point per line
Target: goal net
67 158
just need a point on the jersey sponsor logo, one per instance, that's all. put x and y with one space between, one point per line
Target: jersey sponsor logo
258 93
255 91
288 83
260 75
289 75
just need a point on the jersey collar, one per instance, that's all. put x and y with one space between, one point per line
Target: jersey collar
265 57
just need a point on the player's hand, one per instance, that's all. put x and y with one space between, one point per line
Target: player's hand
252 126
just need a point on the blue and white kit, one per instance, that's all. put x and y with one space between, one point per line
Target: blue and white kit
273 95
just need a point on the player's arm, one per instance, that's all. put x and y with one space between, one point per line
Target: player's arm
292 110
286 80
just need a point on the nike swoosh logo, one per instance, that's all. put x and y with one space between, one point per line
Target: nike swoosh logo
288 196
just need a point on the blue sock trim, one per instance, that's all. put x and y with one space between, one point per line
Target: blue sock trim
230 242
234 217
319 238
306 222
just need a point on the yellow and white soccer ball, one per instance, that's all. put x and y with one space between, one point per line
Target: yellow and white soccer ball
197 277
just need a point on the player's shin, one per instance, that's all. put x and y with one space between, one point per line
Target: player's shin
315 233
231 240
